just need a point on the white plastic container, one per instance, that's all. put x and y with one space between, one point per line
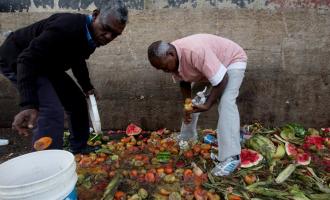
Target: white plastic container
41 175
94 114
4 142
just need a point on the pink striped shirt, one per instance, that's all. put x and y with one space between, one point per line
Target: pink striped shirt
205 57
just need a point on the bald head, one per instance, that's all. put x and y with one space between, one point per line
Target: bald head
162 55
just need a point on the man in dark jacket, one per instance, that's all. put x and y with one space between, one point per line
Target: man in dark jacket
36 58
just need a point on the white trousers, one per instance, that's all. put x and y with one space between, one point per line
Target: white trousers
228 127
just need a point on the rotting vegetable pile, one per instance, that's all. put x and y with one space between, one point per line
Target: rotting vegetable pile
290 162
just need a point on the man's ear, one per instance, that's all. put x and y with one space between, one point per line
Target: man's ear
95 14
171 53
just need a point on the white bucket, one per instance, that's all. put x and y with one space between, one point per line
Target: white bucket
41 175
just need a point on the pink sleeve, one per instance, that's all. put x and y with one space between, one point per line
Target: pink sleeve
210 66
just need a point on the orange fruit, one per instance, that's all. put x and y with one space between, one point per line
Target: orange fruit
150 177
119 195
233 197
197 149
249 179
187 173
168 170
205 146
42 143
188 154
133 173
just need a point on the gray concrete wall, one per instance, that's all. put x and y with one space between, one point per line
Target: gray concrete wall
51 5
288 73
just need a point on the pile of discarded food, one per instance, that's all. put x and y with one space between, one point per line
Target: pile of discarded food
279 163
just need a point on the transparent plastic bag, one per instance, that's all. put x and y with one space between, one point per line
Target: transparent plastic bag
189 131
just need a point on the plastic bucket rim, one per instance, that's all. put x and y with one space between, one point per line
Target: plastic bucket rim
45 179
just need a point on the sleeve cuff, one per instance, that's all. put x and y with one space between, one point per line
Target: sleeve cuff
217 78
87 88
26 107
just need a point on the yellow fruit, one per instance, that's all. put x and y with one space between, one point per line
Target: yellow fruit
188 101
188 105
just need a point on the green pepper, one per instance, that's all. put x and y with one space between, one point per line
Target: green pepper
163 156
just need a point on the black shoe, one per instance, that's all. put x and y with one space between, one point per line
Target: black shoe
85 150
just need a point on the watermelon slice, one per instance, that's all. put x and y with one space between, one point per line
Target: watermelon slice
133 129
290 149
160 131
314 140
250 158
303 159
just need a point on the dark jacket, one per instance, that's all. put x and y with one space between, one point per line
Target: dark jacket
49 47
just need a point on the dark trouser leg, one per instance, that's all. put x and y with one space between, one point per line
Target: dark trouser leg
75 105
51 114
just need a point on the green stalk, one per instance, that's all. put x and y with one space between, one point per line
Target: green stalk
297 194
323 188
256 184
210 186
269 192
319 196
314 175
112 187
285 173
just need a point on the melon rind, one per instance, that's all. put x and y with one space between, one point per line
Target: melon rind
300 159
251 164
133 129
290 149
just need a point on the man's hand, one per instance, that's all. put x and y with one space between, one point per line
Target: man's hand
93 91
25 120
200 108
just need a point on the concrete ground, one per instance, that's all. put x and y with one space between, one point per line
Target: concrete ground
18 145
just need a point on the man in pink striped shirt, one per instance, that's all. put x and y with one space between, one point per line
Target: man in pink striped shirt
222 63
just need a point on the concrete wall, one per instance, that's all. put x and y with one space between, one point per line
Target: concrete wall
43 5
288 45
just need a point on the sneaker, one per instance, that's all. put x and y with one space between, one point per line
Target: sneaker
214 158
226 167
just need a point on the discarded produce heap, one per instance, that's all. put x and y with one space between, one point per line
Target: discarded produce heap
278 163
